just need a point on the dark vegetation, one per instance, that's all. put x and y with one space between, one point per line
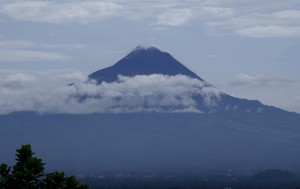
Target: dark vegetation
269 179
28 173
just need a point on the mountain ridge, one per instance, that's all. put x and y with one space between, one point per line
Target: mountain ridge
143 61
151 60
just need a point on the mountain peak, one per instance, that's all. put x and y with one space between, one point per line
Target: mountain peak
143 61
146 48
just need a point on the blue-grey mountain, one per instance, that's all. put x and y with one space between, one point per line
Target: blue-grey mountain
143 61
147 61
235 134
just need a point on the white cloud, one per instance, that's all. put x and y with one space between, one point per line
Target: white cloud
258 80
17 80
60 12
26 44
245 18
25 50
165 13
209 12
140 93
288 14
76 76
270 31
174 17
179 16
30 55
272 18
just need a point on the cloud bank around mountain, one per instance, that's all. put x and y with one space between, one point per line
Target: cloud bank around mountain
153 93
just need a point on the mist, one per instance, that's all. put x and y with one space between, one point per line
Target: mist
141 93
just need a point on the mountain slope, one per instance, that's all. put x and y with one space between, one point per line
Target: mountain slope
147 61
143 61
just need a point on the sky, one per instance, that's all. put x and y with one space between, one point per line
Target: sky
247 49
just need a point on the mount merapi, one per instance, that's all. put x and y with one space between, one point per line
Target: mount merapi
147 61
143 61
240 135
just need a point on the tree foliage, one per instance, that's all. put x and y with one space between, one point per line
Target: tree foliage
28 173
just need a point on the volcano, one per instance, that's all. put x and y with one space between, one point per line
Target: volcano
143 61
244 136
151 60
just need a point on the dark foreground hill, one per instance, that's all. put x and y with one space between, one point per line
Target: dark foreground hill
156 142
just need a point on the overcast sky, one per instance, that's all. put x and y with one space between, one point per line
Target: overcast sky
249 49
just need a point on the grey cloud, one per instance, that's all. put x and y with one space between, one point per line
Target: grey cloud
260 25
60 12
26 44
258 80
174 17
246 18
153 93
269 18
215 12
30 55
17 80
270 31
24 50
180 16
75 76
288 14
211 96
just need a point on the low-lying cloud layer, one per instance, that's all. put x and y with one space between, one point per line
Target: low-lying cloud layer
153 93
